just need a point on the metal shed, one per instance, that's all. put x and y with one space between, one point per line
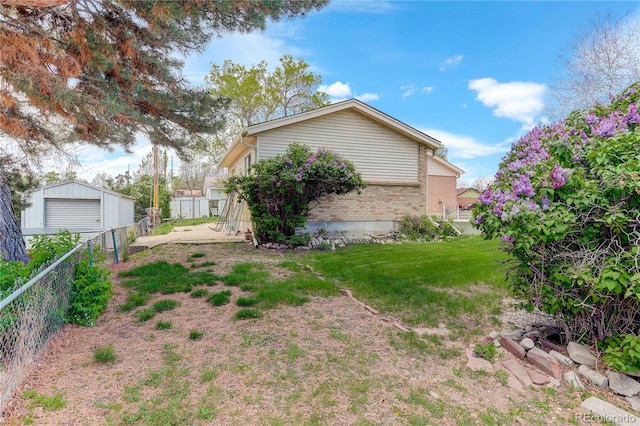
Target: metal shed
189 207
76 206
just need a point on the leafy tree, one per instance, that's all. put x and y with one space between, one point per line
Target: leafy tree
53 177
100 71
602 60
280 189
246 89
257 95
141 189
566 202
292 89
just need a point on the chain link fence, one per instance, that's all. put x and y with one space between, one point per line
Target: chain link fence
36 310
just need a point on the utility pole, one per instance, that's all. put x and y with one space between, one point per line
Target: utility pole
156 186
171 176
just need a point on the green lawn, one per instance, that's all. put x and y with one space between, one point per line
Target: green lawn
423 283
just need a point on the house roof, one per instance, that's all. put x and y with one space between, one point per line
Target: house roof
448 165
351 104
463 190
187 193
79 182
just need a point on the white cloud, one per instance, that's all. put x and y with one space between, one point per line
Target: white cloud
368 97
451 62
407 90
337 90
93 160
340 91
463 146
518 100
411 89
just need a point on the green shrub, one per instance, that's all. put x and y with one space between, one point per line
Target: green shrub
90 288
426 228
622 353
91 292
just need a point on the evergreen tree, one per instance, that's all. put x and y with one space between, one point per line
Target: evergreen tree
101 71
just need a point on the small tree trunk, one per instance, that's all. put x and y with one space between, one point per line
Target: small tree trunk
12 246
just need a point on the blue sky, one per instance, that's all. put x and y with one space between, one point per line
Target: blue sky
474 74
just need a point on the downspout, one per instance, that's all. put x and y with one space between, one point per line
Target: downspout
426 180
245 143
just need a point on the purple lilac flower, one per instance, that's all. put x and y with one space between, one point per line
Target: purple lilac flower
545 203
632 116
558 176
507 239
486 197
478 220
591 119
522 186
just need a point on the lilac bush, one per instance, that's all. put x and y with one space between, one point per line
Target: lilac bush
279 190
566 204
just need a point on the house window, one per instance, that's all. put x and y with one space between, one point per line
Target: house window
247 164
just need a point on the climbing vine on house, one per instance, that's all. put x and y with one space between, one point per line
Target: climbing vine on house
280 190
566 203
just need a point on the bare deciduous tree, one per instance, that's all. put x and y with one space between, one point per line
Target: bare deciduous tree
602 60
192 174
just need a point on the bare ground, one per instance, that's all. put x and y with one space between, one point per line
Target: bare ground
328 361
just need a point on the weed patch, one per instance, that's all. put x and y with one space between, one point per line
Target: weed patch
163 325
104 355
134 300
163 277
219 298
165 305
145 314
199 293
247 314
195 334
51 403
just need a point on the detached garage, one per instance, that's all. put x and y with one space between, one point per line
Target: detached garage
76 206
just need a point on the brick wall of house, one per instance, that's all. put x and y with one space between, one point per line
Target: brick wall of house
442 191
378 202
375 203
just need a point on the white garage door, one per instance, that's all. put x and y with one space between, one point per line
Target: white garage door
61 213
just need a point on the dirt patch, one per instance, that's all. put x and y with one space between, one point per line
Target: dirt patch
328 361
